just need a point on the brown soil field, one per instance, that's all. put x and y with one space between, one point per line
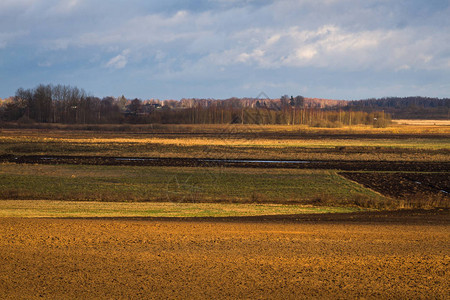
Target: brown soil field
404 185
417 166
376 255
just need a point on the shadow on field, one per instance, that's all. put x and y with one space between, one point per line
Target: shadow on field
401 217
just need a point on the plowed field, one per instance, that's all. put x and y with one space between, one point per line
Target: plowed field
375 165
380 256
403 185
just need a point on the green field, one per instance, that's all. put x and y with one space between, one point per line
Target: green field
219 185
178 184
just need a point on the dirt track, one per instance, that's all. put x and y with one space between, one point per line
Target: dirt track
318 256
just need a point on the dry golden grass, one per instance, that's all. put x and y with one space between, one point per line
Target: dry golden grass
228 139
64 209
423 122
240 142
398 127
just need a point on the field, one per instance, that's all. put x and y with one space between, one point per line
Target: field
225 212
234 163
87 209
178 184
403 185
401 143
424 122
390 256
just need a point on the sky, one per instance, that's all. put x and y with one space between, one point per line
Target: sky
173 49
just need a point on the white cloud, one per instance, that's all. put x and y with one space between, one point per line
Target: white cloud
119 61
64 7
45 64
222 39
306 53
260 37
333 47
6 5
8 37
403 68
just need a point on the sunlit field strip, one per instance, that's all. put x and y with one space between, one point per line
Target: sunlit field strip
416 143
62 209
423 122
398 127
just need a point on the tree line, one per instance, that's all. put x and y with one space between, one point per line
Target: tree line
405 107
59 104
71 105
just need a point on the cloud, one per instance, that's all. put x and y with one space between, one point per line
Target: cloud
45 64
220 40
9 37
64 7
334 47
275 34
8 5
119 61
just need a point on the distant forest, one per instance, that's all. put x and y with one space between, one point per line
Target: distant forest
71 105
406 108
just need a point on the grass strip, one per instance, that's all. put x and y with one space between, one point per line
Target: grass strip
65 209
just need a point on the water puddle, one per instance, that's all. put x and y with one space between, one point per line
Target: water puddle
134 159
258 161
